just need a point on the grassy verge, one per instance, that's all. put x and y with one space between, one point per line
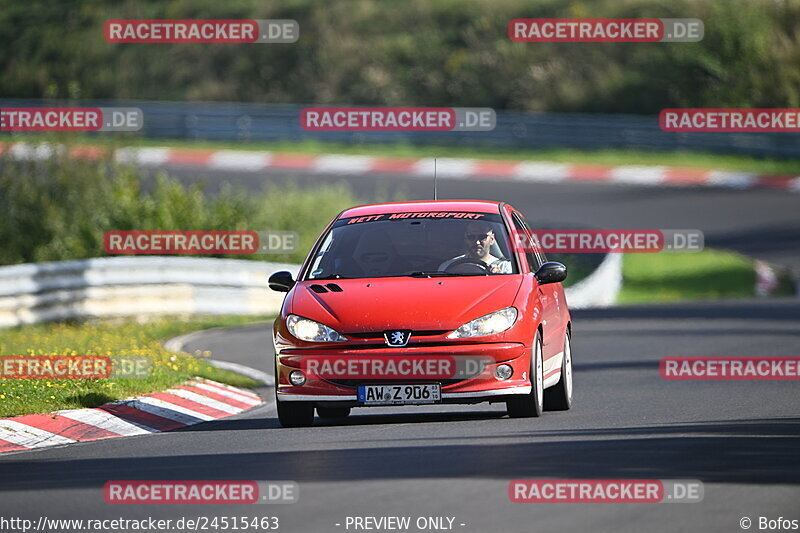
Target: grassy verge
597 157
710 274
26 396
578 265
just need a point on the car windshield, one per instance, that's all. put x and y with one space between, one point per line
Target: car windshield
416 244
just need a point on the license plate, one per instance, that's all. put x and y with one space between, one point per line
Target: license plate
399 394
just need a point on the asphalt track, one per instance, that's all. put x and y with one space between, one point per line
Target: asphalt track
761 223
741 439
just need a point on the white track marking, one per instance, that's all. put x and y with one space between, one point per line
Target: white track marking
28 436
343 164
446 167
239 160
546 172
638 175
204 400
170 411
107 421
246 399
143 156
734 180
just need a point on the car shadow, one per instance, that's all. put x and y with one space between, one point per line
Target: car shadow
358 418
732 451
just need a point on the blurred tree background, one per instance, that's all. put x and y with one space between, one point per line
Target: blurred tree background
59 208
410 52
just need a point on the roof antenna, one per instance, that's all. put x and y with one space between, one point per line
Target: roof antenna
435 195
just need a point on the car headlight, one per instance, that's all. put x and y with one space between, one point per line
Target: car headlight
310 331
490 324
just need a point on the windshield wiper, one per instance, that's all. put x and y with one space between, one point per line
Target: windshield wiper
332 276
431 274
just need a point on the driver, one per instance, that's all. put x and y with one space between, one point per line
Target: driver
479 238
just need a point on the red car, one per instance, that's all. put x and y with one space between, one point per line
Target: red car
422 303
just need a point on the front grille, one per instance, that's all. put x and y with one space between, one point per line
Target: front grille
382 346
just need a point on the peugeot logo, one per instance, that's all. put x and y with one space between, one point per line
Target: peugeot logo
397 338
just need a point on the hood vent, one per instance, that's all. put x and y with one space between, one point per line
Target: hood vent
334 287
318 288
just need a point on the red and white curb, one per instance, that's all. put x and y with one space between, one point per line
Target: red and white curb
197 400
448 168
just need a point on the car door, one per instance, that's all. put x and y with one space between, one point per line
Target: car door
551 298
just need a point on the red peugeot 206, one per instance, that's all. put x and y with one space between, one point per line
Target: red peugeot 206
422 303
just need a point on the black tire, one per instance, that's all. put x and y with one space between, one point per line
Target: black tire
292 414
559 397
531 404
295 414
333 412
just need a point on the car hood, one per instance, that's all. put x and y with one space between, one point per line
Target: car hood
378 304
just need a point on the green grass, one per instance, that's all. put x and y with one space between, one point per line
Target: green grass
578 265
26 396
599 157
666 277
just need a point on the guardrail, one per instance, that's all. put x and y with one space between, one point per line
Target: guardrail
600 288
149 286
134 287
515 129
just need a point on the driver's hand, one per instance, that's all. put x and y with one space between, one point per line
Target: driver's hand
494 268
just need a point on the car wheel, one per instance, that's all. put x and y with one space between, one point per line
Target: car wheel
559 397
531 404
292 414
333 412
295 414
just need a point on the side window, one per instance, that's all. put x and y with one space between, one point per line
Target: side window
520 226
539 253
536 258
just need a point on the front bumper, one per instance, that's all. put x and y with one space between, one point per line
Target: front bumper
484 387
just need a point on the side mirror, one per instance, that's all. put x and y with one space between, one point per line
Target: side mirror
551 272
281 281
